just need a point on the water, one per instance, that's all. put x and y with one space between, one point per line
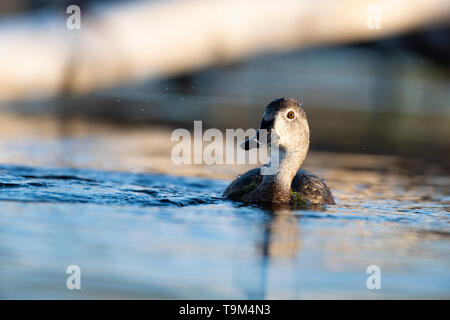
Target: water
72 201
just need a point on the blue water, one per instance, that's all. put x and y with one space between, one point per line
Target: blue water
157 236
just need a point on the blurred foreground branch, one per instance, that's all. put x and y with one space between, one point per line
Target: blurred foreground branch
42 58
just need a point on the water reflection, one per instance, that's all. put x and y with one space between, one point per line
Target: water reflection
280 250
281 235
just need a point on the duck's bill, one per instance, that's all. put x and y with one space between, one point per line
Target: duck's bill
260 139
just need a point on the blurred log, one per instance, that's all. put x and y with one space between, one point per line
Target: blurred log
40 57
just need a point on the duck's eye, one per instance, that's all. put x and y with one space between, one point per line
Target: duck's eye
290 115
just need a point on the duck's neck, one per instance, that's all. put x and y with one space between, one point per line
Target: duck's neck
277 186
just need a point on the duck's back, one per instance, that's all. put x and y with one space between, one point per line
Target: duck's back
306 185
311 188
243 184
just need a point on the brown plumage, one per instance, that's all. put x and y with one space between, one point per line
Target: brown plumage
288 184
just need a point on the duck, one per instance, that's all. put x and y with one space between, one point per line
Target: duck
284 125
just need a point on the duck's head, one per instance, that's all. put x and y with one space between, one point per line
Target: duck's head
285 120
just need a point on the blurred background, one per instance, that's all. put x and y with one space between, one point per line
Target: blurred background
380 89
